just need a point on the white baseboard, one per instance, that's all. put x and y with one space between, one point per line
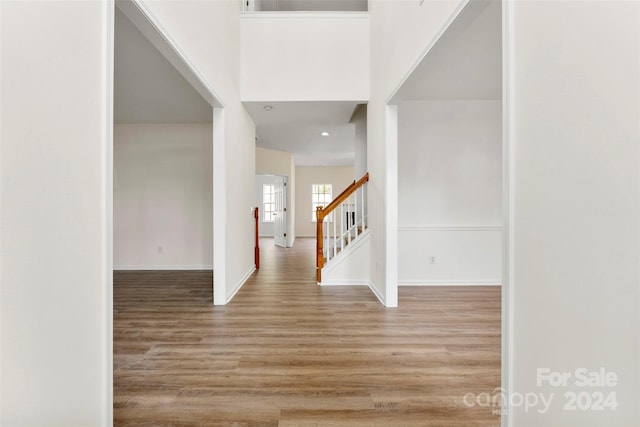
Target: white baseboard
377 294
344 283
239 285
450 228
162 267
449 283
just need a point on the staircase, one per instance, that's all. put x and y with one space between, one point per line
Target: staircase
341 223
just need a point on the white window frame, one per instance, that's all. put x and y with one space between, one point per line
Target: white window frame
267 214
320 198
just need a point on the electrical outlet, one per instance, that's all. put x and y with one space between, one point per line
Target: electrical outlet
432 260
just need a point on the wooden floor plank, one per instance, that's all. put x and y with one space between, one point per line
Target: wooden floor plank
286 352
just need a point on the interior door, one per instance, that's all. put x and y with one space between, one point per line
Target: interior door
280 213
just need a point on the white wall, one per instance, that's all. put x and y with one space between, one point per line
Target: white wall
163 196
450 191
56 305
339 177
208 33
360 143
276 162
575 152
464 255
305 56
401 31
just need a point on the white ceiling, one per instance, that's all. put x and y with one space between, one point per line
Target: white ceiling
314 5
466 63
148 89
296 126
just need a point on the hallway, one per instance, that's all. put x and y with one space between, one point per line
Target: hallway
286 352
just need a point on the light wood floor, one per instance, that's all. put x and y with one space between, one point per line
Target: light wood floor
286 352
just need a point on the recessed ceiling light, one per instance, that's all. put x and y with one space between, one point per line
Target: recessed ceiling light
268 107
325 133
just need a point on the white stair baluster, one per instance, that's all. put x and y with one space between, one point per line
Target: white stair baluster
363 210
335 245
349 219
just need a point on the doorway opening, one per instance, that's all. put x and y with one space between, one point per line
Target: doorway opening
273 201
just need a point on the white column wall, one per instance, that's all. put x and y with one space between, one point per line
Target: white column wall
292 185
208 33
360 145
575 153
400 33
55 250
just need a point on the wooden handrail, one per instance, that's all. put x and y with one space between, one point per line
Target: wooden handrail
345 191
341 198
256 253
321 213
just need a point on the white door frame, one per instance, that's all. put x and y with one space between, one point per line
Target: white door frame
219 207
282 220
287 200
391 205
508 185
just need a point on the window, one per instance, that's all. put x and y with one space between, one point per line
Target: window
268 202
320 196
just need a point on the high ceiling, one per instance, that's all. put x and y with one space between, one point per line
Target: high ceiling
466 62
148 88
296 127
